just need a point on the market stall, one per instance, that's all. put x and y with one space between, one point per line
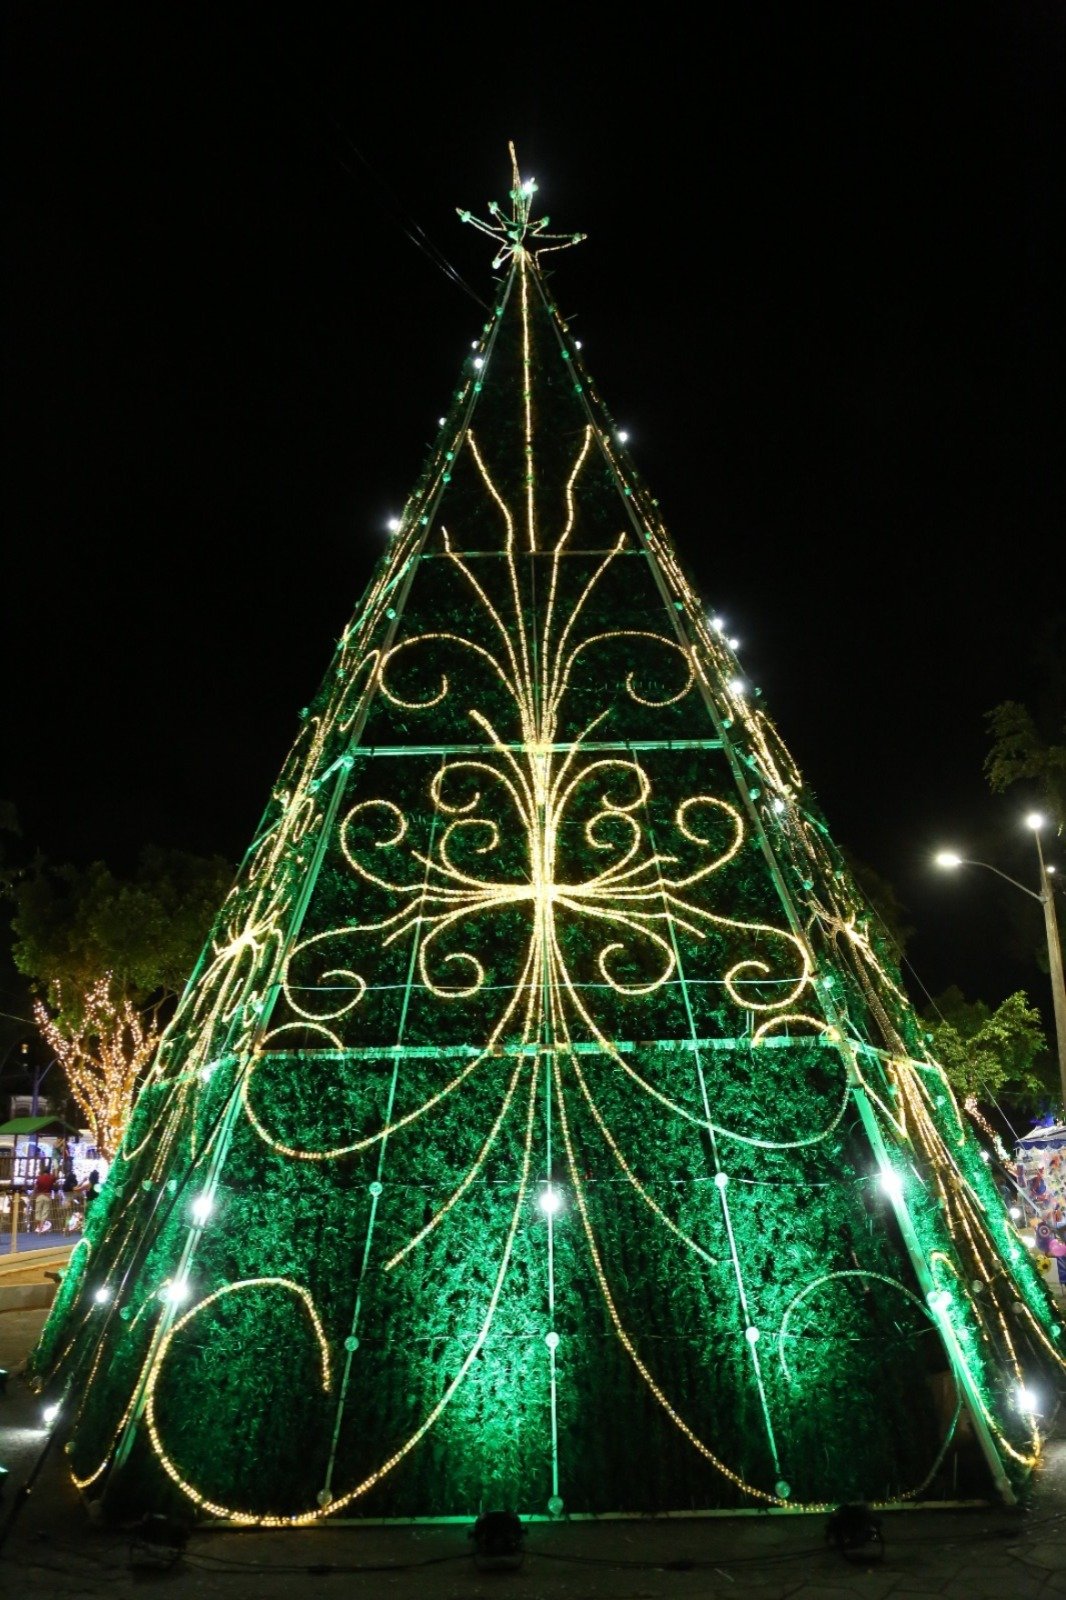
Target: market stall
1041 1179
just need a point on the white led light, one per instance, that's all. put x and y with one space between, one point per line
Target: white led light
1016 1213
49 1415
721 1179
552 1340
102 1295
736 686
751 1335
550 1201
441 421
892 1183
1026 1400
985 1156
779 805
202 1207
734 644
175 1292
577 344
716 623
623 436
479 361
394 524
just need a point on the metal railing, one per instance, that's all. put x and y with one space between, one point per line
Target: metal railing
58 1215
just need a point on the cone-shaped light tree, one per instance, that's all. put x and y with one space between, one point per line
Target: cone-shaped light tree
544 1126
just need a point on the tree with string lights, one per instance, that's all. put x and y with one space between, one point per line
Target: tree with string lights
103 1056
108 956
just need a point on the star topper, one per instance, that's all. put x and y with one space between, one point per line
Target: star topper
511 232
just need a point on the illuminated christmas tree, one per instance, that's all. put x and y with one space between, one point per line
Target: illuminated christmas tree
545 1126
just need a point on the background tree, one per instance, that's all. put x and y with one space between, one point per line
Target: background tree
106 957
994 1059
102 1056
20 1043
1022 753
1029 737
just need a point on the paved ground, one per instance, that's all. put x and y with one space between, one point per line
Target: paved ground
28 1242
48 1548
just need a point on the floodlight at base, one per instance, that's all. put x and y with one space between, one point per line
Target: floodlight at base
856 1533
499 1540
157 1542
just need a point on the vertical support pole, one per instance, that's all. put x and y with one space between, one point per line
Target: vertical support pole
949 1338
1054 957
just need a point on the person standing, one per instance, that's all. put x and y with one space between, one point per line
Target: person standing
43 1187
89 1189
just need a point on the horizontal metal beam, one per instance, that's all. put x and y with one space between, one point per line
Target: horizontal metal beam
427 1052
592 746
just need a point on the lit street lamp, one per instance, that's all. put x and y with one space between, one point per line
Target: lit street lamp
949 860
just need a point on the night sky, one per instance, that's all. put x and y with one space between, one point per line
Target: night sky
822 289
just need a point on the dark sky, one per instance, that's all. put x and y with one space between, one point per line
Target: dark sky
822 288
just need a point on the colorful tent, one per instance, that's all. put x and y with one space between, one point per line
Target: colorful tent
1041 1176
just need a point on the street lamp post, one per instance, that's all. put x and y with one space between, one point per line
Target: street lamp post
1054 950
949 860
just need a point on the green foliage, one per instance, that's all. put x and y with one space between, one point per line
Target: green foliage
8 817
14 999
9 825
989 1055
1020 753
74 924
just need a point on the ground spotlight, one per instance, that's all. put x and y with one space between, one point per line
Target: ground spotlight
158 1541
499 1541
856 1533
